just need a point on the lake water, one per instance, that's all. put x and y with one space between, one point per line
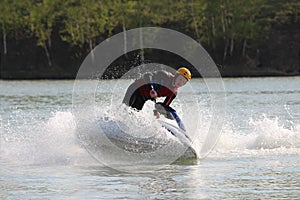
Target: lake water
257 155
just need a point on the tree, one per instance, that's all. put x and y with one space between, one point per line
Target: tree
12 16
42 17
234 22
86 21
6 22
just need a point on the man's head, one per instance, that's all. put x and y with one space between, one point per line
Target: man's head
182 76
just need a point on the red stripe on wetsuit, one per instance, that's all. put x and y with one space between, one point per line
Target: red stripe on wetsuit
166 90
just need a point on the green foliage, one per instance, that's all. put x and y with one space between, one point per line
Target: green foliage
42 18
11 17
85 23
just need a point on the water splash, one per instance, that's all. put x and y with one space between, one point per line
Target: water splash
29 141
265 136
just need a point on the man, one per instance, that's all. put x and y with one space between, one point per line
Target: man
158 84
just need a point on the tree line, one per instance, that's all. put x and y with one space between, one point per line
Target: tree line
223 25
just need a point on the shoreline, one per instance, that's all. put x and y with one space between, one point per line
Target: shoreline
62 77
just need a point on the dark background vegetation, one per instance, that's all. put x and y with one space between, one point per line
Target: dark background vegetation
50 38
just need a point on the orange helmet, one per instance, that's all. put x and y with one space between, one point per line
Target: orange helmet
185 72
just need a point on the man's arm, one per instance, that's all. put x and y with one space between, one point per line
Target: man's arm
169 99
159 79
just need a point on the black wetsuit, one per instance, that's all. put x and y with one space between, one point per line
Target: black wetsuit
139 91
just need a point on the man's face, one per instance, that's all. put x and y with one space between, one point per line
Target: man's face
180 81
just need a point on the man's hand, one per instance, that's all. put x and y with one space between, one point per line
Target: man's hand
153 94
156 114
